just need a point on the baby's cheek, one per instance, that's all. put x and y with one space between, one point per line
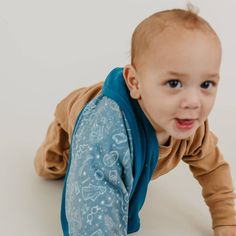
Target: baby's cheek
209 108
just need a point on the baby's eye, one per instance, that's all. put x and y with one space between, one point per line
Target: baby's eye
207 84
174 83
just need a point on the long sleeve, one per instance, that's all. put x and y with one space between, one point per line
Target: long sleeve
213 173
99 179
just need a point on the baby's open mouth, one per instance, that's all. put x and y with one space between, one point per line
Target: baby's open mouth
185 123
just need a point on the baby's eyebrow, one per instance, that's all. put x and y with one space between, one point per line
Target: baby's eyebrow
173 73
180 74
214 75
211 76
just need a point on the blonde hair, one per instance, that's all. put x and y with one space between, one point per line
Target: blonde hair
157 22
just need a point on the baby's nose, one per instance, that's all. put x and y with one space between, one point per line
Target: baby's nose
191 101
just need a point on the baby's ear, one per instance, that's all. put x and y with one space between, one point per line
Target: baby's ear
131 80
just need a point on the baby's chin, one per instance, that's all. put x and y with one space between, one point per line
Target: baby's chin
176 134
182 136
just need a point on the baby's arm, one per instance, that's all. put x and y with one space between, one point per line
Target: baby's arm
213 173
99 181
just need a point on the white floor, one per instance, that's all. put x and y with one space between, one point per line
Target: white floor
30 206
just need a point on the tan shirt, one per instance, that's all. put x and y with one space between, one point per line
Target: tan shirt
199 151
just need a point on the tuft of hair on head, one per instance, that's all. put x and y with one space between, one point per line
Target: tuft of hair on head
191 15
192 8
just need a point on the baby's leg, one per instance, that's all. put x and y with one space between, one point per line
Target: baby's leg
51 159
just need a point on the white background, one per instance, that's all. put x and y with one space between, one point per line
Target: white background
49 48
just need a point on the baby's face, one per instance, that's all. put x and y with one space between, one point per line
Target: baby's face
178 80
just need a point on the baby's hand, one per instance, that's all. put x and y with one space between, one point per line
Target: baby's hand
225 231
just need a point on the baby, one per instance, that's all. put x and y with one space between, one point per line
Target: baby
110 139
